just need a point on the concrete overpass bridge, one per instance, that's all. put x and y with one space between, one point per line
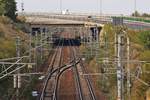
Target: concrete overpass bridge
80 19
38 23
53 22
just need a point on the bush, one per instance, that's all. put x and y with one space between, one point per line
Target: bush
136 13
5 20
145 15
22 26
145 39
1 34
7 48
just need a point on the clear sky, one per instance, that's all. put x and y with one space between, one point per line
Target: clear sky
90 6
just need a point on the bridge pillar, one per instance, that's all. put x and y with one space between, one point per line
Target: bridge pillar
95 32
39 30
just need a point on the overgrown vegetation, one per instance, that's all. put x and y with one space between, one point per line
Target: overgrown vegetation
145 39
9 30
140 50
7 43
7 48
8 8
6 93
8 33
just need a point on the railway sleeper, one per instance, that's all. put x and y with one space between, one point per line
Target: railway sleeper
48 95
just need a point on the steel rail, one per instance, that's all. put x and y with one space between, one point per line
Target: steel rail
63 69
88 80
57 76
76 74
66 67
50 69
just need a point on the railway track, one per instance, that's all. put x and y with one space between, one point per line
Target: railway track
87 78
51 70
58 67
76 74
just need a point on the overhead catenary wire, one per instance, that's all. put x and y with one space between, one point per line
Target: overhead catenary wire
7 74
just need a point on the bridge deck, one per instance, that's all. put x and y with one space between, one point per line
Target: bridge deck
49 21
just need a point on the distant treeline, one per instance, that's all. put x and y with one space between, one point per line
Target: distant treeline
137 14
8 8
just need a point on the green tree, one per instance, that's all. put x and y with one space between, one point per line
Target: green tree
10 9
145 15
2 5
136 14
145 39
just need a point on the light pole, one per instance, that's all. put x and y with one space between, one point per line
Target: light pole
61 6
101 7
135 8
22 7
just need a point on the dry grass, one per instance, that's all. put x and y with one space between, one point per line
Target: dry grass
8 33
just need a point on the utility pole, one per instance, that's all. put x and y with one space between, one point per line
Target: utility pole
41 45
60 6
17 78
135 5
97 44
135 8
35 51
30 48
22 7
119 68
101 7
128 70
